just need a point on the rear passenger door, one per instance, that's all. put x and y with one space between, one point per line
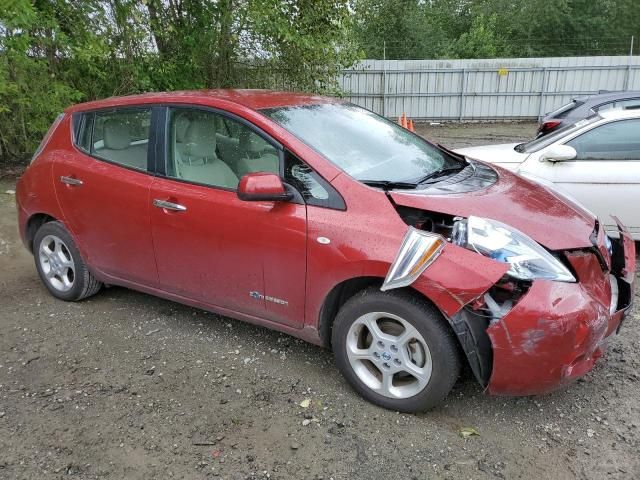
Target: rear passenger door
605 175
103 189
212 247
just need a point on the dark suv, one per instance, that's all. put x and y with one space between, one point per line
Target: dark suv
583 107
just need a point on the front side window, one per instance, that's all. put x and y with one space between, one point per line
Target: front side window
211 149
119 136
363 144
614 141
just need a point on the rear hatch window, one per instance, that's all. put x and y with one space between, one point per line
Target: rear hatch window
564 110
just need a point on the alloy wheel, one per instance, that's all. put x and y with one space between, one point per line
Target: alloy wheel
56 263
389 355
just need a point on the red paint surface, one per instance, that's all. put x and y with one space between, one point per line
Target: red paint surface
218 251
518 202
555 333
222 248
260 184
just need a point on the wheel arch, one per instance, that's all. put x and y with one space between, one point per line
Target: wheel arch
34 222
345 290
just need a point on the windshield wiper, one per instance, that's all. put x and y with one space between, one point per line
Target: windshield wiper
389 185
440 173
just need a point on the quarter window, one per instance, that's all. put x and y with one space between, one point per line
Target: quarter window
614 141
211 149
628 104
314 189
83 138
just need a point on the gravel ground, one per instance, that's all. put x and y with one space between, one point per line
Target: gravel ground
125 385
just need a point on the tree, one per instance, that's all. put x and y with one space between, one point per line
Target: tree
483 40
54 53
402 29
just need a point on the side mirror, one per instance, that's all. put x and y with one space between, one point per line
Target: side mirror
262 187
559 153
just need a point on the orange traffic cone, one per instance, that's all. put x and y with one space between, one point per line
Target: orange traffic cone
404 120
411 126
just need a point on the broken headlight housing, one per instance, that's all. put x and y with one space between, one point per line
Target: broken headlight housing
493 239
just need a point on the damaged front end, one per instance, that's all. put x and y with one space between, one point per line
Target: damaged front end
544 318
557 331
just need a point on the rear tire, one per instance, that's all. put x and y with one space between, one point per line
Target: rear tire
396 350
60 266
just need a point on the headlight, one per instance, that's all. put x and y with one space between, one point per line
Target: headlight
527 259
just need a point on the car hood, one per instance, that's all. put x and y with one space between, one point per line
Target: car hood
528 206
503 153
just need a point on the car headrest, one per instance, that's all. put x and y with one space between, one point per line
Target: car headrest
250 143
115 135
181 126
200 138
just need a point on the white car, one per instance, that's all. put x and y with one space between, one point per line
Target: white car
595 161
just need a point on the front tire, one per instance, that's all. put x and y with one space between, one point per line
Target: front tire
60 266
396 350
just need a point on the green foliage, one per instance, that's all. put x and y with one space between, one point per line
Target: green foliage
483 40
495 28
54 53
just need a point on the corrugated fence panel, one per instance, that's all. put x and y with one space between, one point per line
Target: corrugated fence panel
483 89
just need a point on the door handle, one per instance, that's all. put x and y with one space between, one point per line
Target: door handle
71 181
176 207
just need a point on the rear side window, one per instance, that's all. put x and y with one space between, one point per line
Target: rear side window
118 136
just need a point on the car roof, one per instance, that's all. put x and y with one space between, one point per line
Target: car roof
253 99
607 96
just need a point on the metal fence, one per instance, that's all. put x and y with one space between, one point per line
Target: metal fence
521 88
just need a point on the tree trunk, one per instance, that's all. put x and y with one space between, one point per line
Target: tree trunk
223 65
158 29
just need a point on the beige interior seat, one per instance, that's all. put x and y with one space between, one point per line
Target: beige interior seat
228 148
256 156
198 161
180 126
117 146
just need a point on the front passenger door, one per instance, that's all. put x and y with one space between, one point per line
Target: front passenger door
212 247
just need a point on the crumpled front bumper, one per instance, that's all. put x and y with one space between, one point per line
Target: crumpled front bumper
557 331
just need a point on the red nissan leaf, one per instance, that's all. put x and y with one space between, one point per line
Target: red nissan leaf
315 217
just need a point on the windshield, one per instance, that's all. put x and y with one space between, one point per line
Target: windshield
541 142
363 144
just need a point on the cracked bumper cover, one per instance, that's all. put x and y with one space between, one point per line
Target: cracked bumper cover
558 330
